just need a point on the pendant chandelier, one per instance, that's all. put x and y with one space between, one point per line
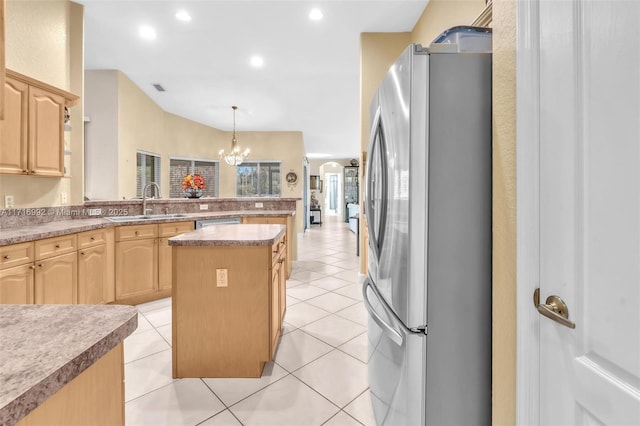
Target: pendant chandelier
234 157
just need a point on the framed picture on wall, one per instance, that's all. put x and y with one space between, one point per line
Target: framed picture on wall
315 182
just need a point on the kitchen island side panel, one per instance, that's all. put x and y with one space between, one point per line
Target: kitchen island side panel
220 331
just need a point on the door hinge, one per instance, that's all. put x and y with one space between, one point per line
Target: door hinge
421 330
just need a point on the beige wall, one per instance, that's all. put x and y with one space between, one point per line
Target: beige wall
504 212
130 121
42 41
437 16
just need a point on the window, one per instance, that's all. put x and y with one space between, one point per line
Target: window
147 170
258 179
180 167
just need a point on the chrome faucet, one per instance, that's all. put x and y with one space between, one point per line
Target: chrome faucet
144 195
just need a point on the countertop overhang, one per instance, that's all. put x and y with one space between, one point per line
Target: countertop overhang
44 347
230 235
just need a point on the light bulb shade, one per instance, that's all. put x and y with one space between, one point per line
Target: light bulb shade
234 157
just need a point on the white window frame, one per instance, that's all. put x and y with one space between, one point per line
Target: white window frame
193 160
259 162
143 178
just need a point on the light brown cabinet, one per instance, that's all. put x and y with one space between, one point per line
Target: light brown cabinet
32 132
166 231
13 130
95 397
136 261
74 268
277 294
289 235
143 260
44 271
56 279
56 270
229 328
95 267
17 273
16 284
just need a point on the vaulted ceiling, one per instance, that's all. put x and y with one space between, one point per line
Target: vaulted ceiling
309 79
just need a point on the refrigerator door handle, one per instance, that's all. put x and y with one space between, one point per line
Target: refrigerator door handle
376 235
393 334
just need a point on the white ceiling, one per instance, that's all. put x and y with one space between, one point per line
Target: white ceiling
309 81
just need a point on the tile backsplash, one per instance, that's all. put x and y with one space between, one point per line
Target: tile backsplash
93 209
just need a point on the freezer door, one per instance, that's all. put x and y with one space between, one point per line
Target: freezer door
396 365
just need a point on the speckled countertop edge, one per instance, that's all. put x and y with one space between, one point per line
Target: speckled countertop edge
64 227
230 235
44 347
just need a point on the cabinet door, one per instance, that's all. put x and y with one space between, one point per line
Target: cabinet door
16 284
92 275
46 130
166 231
164 264
136 267
274 305
282 291
56 279
13 129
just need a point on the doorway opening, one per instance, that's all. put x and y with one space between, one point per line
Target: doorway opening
332 193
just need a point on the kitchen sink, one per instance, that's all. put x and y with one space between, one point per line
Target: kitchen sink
144 217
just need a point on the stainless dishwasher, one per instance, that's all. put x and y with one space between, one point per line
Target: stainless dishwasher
221 221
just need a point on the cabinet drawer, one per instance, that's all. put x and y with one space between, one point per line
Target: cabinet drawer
55 246
16 254
277 248
173 229
136 232
92 238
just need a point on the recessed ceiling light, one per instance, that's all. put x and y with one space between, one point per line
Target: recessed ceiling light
315 14
183 15
257 61
147 32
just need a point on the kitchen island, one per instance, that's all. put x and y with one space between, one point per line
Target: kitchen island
63 364
228 299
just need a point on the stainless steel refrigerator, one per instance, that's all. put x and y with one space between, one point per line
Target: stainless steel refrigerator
428 208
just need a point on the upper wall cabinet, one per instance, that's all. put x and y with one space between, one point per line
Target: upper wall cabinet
32 132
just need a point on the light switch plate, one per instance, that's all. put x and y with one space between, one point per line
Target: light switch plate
64 198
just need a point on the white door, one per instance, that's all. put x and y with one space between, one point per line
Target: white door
589 210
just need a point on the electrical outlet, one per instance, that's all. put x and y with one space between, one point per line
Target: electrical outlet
64 198
259 205
94 212
8 202
222 277
204 206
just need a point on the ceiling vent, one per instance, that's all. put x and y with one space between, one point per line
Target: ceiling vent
159 88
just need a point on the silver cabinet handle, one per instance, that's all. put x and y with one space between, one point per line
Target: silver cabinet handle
390 331
554 308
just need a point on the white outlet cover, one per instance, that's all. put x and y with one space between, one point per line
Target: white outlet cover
204 206
8 202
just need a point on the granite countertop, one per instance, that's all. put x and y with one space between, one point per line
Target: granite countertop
63 227
230 235
44 347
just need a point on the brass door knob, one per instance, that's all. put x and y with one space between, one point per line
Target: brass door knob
554 308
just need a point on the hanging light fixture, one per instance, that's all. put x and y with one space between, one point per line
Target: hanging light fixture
234 157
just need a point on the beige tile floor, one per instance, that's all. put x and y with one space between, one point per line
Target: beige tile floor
319 376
